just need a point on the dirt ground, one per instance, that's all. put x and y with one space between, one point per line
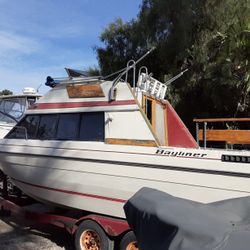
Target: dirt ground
16 234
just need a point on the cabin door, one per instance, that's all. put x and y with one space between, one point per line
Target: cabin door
156 115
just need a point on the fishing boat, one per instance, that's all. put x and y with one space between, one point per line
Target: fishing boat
13 107
91 143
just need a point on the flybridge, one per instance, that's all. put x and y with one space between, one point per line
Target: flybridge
78 76
146 83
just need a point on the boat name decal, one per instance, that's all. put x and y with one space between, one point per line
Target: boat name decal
179 153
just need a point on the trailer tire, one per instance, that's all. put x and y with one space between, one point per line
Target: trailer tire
90 235
129 242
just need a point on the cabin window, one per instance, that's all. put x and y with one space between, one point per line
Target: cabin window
27 128
47 127
13 107
68 127
148 108
75 126
92 126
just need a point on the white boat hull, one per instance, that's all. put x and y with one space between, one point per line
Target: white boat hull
100 178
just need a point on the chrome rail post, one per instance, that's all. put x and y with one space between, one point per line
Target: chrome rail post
205 135
197 133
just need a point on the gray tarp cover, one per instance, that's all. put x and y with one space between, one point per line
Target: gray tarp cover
161 221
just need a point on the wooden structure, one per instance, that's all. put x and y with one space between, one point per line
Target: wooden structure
229 136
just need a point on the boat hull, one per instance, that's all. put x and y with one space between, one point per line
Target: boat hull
100 178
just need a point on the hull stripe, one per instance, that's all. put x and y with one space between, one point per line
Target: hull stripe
71 192
63 105
116 152
145 165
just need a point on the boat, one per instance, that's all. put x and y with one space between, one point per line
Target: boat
91 143
13 107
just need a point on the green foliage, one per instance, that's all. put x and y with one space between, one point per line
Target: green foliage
220 69
211 38
121 45
6 92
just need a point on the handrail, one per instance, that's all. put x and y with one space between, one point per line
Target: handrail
222 120
118 78
214 120
132 63
52 82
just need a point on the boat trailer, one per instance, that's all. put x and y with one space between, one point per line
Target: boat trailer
90 231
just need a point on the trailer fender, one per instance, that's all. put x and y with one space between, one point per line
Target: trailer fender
112 226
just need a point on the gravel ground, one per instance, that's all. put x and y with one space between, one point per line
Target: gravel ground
16 234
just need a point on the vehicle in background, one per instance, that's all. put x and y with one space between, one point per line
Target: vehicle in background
13 107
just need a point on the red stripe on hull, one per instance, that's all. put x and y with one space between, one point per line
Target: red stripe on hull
61 105
72 193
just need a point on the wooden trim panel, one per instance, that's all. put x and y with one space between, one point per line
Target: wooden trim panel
145 143
228 135
81 91
65 105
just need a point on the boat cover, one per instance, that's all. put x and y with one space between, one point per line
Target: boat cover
161 221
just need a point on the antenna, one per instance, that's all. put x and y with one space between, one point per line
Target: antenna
37 89
175 77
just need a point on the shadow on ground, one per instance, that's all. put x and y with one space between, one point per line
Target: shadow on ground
18 234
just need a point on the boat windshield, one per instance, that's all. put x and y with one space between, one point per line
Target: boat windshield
12 107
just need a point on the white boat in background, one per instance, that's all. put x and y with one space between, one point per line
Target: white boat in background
13 107
90 144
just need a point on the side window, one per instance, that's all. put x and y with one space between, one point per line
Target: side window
92 126
148 109
26 128
47 127
68 127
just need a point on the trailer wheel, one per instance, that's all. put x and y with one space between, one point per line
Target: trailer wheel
129 242
90 236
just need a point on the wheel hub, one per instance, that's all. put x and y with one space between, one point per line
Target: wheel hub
90 240
132 246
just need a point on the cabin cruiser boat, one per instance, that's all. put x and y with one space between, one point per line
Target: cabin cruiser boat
13 107
90 144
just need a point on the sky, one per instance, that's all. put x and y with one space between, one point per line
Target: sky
41 37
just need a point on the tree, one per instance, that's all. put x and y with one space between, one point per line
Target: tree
6 92
210 38
121 44
219 77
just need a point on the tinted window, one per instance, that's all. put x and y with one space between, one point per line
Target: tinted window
26 128
68 127
17 133
92 126
149 110
47 127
